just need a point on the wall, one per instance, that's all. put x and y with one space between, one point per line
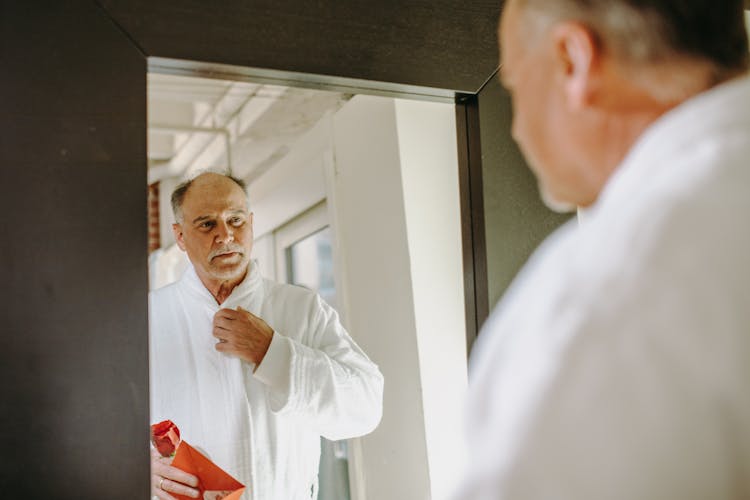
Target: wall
370 229
434 47
427 146
166 217
73 341
294 184
515 219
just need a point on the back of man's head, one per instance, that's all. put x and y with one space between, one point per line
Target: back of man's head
655 31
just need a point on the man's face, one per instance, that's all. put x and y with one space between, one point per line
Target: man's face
543 126
216 229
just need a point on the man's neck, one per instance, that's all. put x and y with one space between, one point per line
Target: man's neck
221 289
627 108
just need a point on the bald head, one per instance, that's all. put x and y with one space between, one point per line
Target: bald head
210 181
658 31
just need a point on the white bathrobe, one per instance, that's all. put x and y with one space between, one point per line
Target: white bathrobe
617 367
264 427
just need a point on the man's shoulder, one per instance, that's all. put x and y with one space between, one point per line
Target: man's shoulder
298 297
288 290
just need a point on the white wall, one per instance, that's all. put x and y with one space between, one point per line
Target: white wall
429 170
370 229
294 184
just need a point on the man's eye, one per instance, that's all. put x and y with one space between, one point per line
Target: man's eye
236 221
207 224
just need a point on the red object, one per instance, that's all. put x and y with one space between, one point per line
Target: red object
166 437
213 482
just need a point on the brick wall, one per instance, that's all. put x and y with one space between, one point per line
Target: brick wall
154 240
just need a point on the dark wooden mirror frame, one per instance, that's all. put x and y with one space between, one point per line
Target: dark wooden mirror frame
73 148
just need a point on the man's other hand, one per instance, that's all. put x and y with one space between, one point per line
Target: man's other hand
166 479
240 333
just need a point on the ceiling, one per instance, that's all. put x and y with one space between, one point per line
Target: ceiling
197 123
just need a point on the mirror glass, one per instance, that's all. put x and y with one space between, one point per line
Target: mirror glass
355 197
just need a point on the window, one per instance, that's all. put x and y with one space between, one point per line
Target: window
310 264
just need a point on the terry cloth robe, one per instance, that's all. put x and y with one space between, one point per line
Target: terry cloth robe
262 427
618 365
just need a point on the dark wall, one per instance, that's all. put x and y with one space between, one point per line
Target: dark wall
503 219
515 219
73 347
447 44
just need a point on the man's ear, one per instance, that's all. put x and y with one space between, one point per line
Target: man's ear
178 236
578 57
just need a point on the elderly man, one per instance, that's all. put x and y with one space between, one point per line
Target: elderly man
617 366
253 372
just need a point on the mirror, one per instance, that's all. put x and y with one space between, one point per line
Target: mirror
356 197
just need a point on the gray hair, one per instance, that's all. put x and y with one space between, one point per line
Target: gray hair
178 195
654 31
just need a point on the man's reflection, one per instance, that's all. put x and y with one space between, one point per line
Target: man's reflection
252 371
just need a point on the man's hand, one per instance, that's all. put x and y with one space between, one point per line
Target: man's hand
165 479
242 334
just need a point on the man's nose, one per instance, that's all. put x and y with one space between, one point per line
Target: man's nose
224 233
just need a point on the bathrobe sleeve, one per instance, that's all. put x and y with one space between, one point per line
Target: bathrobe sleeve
320 374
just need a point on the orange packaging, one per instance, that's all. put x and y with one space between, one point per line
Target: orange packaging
213 482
